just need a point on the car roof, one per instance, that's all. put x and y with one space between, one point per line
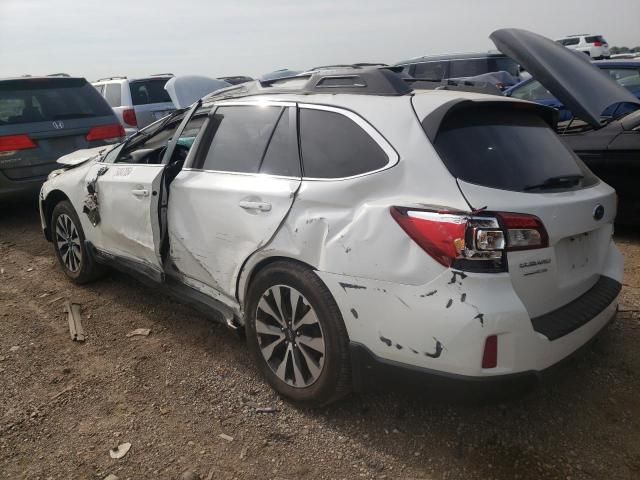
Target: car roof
453 56
623 62
40 77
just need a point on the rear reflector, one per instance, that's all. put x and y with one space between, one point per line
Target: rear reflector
490 356
129 117
471 241
16 142
106 132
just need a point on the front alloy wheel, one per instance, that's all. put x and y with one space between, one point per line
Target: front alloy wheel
68 242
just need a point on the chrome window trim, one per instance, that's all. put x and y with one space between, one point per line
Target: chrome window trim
392 155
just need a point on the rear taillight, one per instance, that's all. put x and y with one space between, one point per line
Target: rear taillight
113 132
472 242
129 117
597 44
11 143
490 355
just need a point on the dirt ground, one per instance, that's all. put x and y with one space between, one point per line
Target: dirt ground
64 404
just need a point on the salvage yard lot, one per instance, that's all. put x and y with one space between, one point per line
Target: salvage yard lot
172 394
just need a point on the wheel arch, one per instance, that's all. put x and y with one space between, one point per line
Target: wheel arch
48 204
252 268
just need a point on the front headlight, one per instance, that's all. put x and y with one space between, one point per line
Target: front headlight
55 173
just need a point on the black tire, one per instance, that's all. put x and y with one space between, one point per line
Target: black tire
334 380
65 221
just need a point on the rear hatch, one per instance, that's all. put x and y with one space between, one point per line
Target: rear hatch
150 100
42 119
506 158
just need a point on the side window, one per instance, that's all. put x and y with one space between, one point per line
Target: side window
282 157
334 146
112 94
100 89
149 150
240 135
431 70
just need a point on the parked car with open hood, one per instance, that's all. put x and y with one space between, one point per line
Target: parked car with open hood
44 118
357 229
625 72
605 129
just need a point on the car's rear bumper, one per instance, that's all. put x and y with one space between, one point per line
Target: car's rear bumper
443 325
13 189
371 372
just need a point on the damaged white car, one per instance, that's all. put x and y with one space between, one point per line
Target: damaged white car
356 228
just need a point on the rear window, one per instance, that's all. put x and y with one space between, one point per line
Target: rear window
144 92
44 99
506 149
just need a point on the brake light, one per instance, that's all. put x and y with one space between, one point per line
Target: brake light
472 242
106 132
129 117
597 44
11 143
490 355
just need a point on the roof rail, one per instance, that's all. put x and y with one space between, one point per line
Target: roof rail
162 75
111 78
352 80
58 75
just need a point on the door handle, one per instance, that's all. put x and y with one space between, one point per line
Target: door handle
140 193
254 205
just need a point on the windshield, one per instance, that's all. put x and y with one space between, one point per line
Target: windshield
507 149
48 99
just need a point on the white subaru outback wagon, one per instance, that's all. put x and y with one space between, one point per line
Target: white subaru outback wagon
354 226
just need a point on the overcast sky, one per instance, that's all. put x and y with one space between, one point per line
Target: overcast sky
96 38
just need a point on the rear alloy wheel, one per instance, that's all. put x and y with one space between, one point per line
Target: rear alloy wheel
69 244
290 336
296 334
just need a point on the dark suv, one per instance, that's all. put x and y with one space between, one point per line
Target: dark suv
463 65
43 118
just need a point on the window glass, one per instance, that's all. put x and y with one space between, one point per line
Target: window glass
505 149
112 94
282 156
569 41
533 91
240 136
629 78
144 92
48 99
149 146
431 70
334 146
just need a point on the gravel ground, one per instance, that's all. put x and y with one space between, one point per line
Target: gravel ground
172 395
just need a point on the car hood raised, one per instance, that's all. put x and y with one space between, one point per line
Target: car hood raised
570 77
185 90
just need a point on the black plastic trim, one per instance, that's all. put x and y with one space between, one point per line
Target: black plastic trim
574 315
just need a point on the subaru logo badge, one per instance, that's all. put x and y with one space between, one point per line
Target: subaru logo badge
58 124
598 212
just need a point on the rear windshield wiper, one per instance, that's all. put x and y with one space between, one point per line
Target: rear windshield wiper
556 182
